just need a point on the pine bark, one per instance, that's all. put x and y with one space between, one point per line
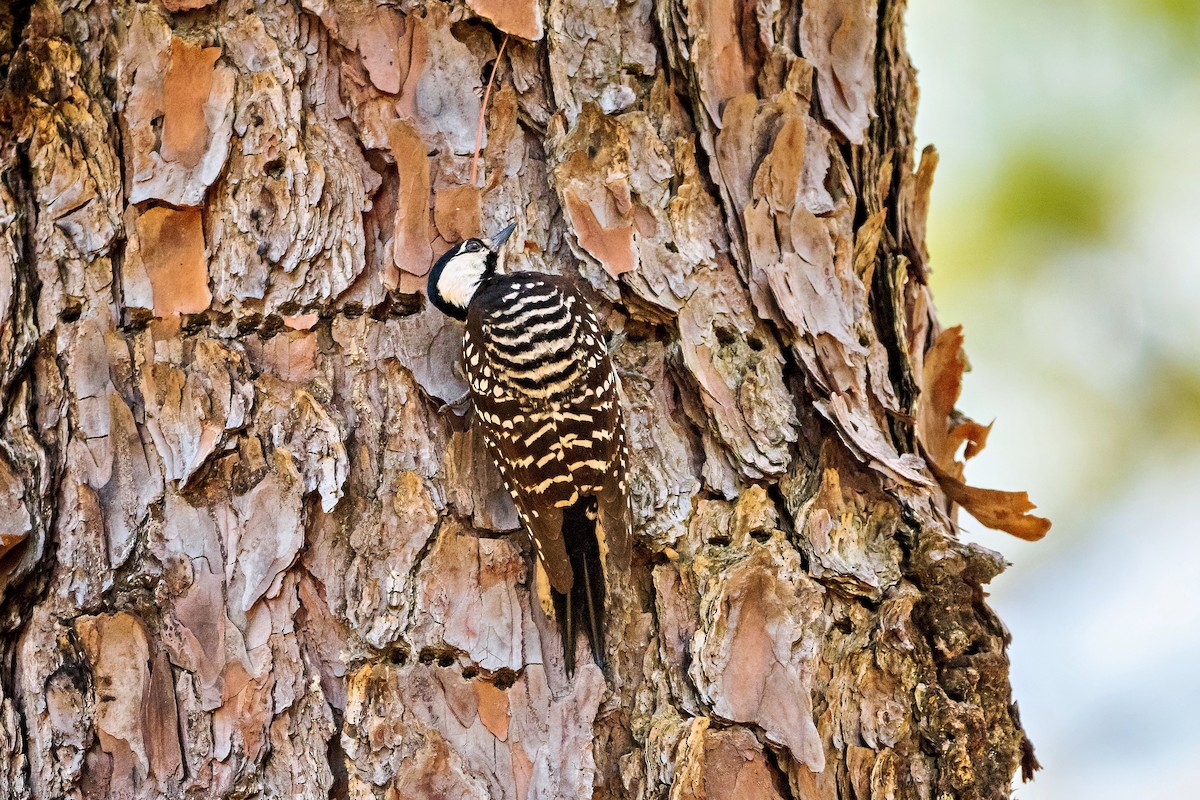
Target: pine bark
248 550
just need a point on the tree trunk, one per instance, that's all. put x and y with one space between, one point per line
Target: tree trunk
248 551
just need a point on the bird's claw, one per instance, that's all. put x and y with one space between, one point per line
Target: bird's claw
615 340
459 405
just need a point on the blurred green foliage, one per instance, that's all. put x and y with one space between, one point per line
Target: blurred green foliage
1043 192
1180 19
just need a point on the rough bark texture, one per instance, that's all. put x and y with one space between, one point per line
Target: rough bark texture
246 552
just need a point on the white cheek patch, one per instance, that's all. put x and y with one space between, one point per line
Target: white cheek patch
460 278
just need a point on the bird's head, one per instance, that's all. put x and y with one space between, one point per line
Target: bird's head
458 274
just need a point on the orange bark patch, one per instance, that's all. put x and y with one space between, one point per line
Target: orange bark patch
778 177
494 712
412 251
301 322
759 674
519 17
725 66
596 192
172 246
944 367
381 42
9 540
456 212
118 652
186 88
736 767
161 721
612 247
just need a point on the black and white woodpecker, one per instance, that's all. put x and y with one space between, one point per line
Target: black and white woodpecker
545 392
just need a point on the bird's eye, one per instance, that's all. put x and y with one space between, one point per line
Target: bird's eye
471 246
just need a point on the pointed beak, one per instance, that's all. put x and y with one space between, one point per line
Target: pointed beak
500 238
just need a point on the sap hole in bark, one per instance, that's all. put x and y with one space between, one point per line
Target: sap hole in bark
72 311
756 344
444 656
470 673
274 168
671 248
504 678
397 655
272 325
220 319
352 310
761 534
249 322
719 539
843 624
194 323
398 304
138 319
725 336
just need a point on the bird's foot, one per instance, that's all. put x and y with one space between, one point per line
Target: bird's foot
615 340
459 405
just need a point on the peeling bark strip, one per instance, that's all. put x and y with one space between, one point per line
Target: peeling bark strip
245 552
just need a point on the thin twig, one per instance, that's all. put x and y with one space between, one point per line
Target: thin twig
483 110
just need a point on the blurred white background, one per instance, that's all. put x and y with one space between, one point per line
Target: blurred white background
1065 236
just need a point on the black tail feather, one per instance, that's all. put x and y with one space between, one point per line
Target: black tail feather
583 606
593 591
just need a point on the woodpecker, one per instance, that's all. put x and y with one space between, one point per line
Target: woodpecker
545 393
